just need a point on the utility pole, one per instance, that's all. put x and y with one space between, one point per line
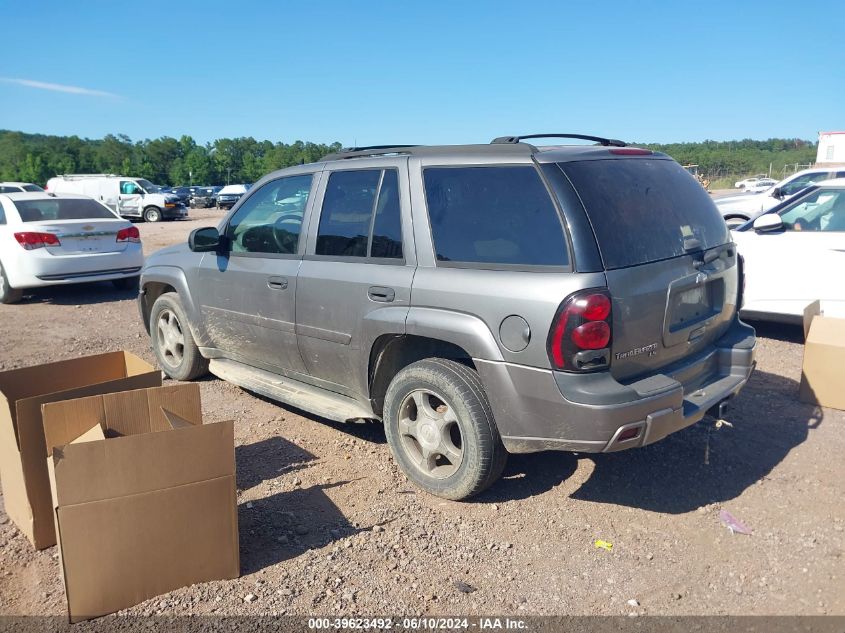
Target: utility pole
228 174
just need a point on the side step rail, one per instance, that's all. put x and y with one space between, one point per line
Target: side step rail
298 394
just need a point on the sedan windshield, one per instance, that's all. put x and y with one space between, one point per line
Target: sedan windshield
62 209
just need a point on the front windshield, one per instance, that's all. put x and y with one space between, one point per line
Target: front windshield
147 185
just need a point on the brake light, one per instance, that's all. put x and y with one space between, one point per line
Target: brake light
591 335
631 151
579 338
129 234
30 241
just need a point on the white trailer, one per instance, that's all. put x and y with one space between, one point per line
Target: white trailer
831 148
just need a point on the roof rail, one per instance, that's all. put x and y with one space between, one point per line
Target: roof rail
369 150
584 137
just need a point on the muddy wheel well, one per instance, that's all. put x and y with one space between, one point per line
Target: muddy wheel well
393 352
152 291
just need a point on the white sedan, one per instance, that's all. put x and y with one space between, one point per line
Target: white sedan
764 184
47 240
794 254
740 208
747 182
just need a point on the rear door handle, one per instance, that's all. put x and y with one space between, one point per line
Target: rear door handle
381 294
277 283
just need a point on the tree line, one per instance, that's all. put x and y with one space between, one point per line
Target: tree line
169 161
164 161
746 157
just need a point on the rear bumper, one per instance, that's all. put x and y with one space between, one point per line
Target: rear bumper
32 269
537 409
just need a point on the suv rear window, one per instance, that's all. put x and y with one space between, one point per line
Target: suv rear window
493 215
644 210
62 209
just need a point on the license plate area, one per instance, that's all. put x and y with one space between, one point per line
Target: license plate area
693 302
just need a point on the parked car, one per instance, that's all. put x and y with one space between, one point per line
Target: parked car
764 184
795 254
129 197
183 193
742 184
17 187
53 239
229 195
739 209
479 299
205 197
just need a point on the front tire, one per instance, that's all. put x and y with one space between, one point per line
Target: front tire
441 430
173 343
7 293
152 214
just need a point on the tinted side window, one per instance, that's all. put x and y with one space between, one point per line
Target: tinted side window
270 220
347 211
2 214
387 226
493 215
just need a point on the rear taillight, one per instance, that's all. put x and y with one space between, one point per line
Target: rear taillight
31 241
740 293
130 234
579 339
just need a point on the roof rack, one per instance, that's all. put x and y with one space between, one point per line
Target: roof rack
80 176
584 137
369 150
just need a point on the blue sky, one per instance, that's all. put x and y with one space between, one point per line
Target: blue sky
423 72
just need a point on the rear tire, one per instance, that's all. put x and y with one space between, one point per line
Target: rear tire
7 293
152 214
441 430
172 341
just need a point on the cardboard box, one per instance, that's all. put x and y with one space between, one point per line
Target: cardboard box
26 485
823 374
144 499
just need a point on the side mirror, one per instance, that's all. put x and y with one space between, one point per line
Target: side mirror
777 193
204 240
768 223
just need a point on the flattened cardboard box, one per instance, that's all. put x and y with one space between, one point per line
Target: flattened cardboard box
145 500
26 485
823 372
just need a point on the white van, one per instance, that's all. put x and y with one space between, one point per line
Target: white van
129 197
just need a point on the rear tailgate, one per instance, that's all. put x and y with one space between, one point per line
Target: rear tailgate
670 264
82 237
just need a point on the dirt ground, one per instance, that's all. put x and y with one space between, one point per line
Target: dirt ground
328 525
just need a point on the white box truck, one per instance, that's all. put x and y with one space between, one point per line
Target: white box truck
129 197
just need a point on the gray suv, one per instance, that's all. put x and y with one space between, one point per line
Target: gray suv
480 300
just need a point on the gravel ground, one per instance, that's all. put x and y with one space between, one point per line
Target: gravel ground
328 524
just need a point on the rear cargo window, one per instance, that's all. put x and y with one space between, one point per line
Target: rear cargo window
62 209
643 210
493 215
